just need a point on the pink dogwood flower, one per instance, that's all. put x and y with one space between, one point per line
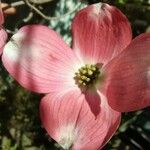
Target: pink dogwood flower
3 34
88 86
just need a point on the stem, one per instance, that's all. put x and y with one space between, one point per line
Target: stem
16 4
48 17
125 124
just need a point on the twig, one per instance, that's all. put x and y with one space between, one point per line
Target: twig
122 127
18 3
14 4
29 17
10 31
48 17
40 1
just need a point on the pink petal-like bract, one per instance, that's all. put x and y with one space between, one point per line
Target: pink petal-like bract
100 32
3 34
3 38
1 15
68 119
39 60
115 75
128 83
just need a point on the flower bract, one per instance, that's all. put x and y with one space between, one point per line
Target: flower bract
87 87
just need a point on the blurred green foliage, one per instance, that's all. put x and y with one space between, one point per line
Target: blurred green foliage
20 126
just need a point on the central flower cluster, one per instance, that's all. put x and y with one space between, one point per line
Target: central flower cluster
87 75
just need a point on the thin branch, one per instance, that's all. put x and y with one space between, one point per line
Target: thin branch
10 31
18 3
29 17
13 4
48 17
129 121
40 1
